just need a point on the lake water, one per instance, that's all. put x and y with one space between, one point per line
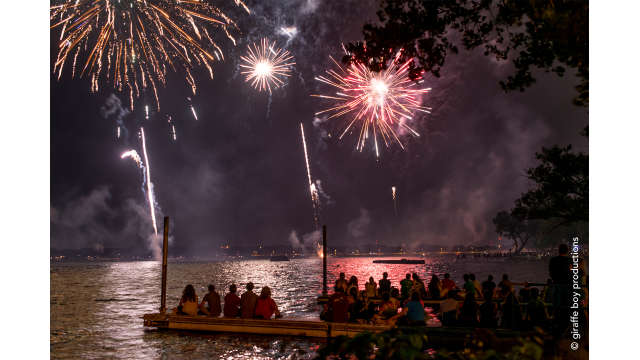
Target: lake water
96 307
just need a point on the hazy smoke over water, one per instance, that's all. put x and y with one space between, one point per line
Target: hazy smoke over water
308 242
358 227
93 221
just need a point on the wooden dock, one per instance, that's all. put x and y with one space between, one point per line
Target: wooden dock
449 337
280 327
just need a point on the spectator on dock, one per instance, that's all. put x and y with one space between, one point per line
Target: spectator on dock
447 283
418 286
469 311
525 293
188 304
511 312
357 306
536 313
387 313
371 288
342 282
405 287
212 302
395 297
505 287
248 302
488 311
384 284
338 309
476 285
435 288
489 286
414 311
353 283
449 309
469 286
265 306
231 303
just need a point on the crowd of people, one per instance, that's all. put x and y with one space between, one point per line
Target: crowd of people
247 306
472 303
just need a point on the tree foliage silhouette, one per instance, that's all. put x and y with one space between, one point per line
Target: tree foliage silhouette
533 34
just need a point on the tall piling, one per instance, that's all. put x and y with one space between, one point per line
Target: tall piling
324 260
165 251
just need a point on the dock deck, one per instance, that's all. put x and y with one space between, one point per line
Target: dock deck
449 337
304 328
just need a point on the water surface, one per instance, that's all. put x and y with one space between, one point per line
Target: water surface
96 307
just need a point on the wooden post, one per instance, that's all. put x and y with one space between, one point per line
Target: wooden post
165 251
324 260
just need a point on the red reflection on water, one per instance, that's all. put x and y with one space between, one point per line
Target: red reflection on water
363 268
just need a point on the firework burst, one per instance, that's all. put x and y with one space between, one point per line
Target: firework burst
379 104
265 66
131 43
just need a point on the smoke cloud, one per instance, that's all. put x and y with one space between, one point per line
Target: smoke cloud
94 221
309 240
358 227
113 108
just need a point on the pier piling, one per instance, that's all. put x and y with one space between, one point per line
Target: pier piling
324 260
165 251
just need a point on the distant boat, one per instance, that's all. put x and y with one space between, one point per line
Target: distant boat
401 261
279 258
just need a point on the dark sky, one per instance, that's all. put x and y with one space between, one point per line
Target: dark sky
238 174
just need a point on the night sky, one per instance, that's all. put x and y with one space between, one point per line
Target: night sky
238 173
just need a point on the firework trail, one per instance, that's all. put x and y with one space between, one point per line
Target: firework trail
379 104
147 186
312 186
152 201
266 66
193 110
146 112
131 44
393 195
313 192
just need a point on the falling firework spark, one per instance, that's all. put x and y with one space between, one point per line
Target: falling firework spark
118 132
146 111
131 44
266 66
193 111
172 127
393 195
380 104
133 155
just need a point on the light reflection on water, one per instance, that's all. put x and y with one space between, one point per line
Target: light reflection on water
96 308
